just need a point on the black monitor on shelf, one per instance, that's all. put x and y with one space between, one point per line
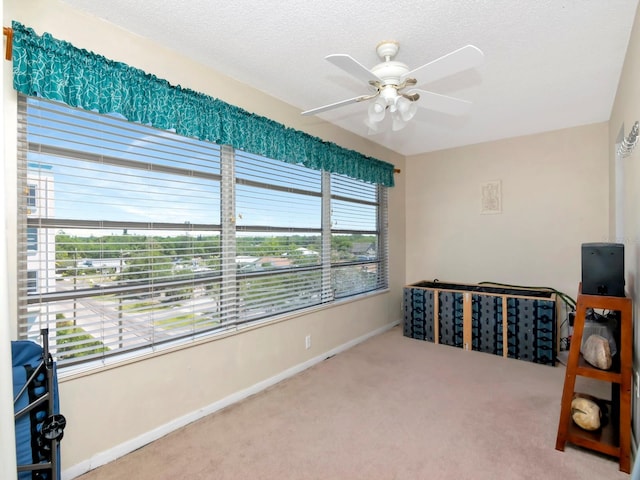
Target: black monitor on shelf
603 269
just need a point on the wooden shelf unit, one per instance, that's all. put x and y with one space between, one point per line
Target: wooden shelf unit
614 438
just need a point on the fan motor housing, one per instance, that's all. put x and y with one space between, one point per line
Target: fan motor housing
390 72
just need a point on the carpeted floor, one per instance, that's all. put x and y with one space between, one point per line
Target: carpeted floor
389 408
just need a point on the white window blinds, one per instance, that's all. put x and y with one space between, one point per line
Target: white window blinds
131 237
357 224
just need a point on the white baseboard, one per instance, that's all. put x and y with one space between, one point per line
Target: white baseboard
129 446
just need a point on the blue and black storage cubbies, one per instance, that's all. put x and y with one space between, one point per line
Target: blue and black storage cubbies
511 322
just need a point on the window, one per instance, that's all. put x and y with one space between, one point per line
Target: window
144 237
356 243
32 281
32 239
278 236
31 198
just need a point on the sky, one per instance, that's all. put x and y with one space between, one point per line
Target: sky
114 170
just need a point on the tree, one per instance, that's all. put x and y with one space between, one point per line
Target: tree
149 263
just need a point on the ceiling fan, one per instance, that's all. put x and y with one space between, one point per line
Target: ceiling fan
392 84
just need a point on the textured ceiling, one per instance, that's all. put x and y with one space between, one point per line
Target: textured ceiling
549 64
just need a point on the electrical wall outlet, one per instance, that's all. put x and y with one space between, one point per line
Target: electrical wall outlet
307 342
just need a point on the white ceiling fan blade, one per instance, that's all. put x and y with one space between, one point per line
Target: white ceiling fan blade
442 103
454 62
352 67
331 106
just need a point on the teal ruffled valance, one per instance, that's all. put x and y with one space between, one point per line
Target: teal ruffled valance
56 70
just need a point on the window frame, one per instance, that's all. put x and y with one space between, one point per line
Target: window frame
228 279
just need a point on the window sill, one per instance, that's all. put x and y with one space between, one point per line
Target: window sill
71 372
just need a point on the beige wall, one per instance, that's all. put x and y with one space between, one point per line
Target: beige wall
555 196
112 410
626 111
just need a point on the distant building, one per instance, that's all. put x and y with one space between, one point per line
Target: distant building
306 251
41 247
244 260
364 250
111 264
253 264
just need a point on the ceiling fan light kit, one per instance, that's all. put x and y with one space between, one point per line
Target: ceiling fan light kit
390 78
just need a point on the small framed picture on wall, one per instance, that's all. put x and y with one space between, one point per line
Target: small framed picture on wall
491 197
